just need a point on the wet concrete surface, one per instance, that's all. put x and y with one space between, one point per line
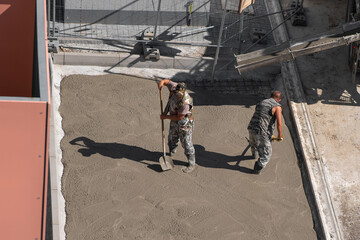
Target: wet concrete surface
114 188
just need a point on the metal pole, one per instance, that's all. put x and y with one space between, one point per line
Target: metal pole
48 16
157 18
219 41
53 23
241 30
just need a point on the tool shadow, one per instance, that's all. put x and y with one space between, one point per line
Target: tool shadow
119 151
210 159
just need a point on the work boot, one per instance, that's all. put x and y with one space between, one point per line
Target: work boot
257 168
191 165
189 168
172 152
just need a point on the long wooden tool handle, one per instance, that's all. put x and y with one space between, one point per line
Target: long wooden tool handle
162 125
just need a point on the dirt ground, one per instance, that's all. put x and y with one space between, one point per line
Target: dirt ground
333 101
114 187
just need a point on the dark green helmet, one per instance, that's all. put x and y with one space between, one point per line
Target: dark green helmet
180 87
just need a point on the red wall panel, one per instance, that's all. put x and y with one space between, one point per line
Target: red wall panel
17 24
22 168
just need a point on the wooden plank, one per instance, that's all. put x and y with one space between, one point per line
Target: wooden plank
236 5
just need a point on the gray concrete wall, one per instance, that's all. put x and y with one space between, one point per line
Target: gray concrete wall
135 12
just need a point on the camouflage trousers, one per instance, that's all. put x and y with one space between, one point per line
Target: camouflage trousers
182 130
261 144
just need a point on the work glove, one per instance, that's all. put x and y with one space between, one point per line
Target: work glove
273 138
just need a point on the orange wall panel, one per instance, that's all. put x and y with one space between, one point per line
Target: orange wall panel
17 24
44 230
22 168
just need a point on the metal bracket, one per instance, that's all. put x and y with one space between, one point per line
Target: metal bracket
150 53
53 45
256 34
299 17
53 31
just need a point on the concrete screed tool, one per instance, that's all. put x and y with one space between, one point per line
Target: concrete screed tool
166 162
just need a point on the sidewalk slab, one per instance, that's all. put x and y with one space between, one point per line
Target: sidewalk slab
326 109
333 103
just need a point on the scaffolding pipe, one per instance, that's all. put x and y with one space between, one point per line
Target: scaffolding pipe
53 23
219 41
48 17
241 30
197 30
157 18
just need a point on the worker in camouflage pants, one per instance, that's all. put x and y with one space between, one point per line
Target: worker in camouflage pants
180 108
261 129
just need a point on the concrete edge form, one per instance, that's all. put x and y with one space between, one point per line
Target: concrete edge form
57 200
319 187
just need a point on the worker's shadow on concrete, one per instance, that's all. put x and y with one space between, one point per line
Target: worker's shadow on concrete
119 151
210 159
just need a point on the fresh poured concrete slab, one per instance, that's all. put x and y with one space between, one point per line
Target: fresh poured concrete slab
336 142
114 188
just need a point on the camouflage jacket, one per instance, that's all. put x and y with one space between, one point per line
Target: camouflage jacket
178 100
263 121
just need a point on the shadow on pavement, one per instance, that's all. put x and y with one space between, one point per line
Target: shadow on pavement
210 159
204 158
